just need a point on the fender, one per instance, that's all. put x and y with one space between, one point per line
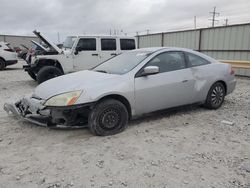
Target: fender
39 63
2 58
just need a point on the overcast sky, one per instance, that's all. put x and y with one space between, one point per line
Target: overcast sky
67 17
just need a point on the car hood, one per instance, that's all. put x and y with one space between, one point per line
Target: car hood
41 46
72 82
47 42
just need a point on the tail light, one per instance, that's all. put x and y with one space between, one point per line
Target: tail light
9 50
232 72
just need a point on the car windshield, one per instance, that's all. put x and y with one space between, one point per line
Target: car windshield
122 63
69 42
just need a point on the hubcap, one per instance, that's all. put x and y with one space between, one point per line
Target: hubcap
217 95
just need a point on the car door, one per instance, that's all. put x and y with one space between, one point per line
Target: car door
108 48
86 54
172 86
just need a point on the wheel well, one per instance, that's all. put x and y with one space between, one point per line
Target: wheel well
2 59
120 98
49 62
224 84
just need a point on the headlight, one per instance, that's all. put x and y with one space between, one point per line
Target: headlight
65 99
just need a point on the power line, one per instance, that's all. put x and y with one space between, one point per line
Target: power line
214 14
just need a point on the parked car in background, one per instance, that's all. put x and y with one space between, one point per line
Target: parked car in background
7 55
128 85
78 53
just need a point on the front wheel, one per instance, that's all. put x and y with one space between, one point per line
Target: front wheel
108 117
215 96
32 75
2 64
48 72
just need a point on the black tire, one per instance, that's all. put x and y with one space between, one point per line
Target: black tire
48 72
215 96
24 56
32 75
2 64
108 117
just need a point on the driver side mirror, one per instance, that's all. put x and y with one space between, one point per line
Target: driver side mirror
149 70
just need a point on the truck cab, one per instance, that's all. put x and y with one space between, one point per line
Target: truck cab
78 53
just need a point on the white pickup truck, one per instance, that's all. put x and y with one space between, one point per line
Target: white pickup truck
78 53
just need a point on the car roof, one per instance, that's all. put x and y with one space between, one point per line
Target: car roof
158 49
103 36
154 49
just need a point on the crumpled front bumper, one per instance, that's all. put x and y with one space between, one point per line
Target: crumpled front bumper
30 109
33 110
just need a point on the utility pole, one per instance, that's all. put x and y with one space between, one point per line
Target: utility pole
147 31
226 22
110 32
137 33
58 37
194 22
214 14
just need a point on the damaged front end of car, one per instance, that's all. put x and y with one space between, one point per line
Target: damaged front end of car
33 110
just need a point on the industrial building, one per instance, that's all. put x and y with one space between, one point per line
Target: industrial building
16 41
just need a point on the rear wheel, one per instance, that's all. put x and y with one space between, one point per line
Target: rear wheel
2 64
48 72
215 96
108 117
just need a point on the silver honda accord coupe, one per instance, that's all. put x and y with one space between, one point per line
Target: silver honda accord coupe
126 86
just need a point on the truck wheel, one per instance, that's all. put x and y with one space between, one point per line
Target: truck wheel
108 117
48 72
2 64
32 75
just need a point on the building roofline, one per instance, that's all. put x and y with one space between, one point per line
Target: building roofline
17 36
187 30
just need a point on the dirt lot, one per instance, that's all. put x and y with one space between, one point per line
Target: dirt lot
189 147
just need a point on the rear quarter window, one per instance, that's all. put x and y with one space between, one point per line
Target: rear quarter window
195 60
127 44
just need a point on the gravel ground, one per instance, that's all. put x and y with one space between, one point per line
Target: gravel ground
188 147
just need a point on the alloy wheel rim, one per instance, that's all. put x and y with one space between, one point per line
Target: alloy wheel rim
217 95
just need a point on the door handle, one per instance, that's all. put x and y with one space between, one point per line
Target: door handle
184 81
94 54
113 54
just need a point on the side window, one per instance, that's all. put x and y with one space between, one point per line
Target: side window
88 44
168 61
127 44
195 60
108 44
